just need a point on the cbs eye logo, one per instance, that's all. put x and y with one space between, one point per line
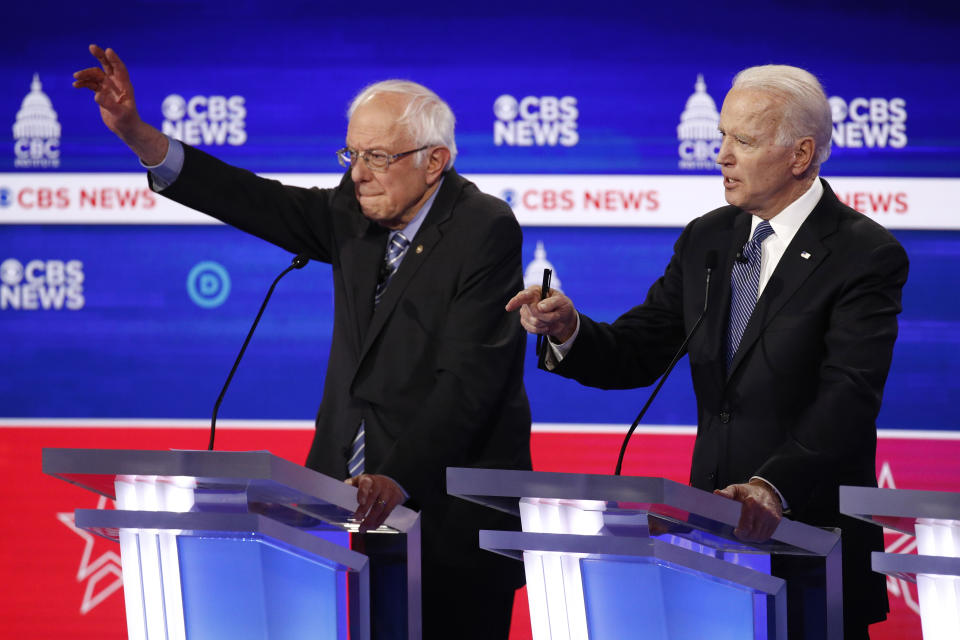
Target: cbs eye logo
542 121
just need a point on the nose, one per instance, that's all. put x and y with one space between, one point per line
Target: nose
725 155
359 171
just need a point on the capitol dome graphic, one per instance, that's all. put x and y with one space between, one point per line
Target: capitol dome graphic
697 132
36 118
36 130
700 118
533 274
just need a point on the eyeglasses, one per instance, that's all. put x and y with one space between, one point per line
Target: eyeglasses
376 160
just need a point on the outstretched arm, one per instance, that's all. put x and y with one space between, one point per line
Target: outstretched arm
113 92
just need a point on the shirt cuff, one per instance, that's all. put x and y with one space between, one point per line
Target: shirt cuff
783 501
561 350
166 173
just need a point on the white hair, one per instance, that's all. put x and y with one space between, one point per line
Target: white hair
806 111
427 118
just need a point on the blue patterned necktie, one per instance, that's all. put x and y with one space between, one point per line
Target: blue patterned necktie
396 248
391 260
744 287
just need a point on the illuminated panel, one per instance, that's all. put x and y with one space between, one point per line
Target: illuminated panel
149 558
939 594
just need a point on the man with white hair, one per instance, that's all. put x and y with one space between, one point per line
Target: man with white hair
790 361
425 368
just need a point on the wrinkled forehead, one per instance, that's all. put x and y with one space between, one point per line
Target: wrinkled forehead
752 109
375 123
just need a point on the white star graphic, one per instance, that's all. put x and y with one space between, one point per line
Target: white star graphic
93 573
901 543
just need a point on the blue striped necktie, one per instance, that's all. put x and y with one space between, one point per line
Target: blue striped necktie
396 248
744 287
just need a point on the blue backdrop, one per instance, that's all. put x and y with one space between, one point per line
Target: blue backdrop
268 85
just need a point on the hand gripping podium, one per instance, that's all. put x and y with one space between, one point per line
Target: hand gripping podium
618 557
933 517
237 545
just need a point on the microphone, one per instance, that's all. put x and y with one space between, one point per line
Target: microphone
742 259
710 264
299 262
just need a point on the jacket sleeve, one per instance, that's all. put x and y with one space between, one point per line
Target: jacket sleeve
635 350
293 218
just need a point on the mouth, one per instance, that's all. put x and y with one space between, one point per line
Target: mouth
729 182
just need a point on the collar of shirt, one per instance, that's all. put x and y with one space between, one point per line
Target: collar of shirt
785 225
410 231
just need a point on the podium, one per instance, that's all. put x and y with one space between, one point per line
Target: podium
238 545
606 554
933 518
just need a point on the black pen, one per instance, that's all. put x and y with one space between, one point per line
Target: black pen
544 294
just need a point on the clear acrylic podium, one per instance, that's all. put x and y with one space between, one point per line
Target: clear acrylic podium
933 517
239 545
617 557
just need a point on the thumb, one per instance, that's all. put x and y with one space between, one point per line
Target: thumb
728 492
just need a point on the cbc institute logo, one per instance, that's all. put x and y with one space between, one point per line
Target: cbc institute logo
36 132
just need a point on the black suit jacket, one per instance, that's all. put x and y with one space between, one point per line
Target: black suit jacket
799 404
436 370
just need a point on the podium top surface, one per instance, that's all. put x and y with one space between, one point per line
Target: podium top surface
628 501
899 509
261 479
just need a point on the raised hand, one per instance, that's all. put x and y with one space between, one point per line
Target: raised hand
113 92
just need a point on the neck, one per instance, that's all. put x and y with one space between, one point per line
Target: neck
800 188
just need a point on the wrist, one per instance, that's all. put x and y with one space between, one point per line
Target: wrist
146 142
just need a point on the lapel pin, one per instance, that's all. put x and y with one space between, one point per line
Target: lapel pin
419 248
805 255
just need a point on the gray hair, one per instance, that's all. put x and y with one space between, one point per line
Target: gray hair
427 118
806 111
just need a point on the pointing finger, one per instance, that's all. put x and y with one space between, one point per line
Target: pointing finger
528 296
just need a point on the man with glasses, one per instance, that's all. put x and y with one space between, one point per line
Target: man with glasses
425 369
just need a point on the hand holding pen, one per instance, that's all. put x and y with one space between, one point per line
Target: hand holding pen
545 312
544 294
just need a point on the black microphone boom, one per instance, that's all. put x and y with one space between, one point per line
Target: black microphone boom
299 262
710 265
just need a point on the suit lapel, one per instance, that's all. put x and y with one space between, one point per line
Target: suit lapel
360 259
715 328
417 254
802 257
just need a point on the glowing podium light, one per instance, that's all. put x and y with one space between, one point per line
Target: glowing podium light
554 582
933 517
939 594
150 559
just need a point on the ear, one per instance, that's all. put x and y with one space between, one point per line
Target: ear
803 152
436 163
